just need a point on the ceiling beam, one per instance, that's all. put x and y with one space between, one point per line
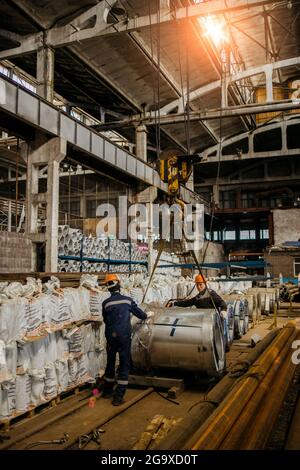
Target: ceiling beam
250 156
93 23
225 181
209 87
233 111
155 62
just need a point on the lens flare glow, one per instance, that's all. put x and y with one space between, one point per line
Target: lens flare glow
215 29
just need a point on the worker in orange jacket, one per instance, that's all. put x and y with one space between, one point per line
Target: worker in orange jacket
206 298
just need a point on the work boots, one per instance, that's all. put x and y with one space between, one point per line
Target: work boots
108 390
118 400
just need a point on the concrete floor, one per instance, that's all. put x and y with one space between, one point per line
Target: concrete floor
123 431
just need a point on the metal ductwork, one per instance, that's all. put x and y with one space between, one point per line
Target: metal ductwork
180 338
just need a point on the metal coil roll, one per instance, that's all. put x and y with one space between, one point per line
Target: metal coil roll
180 338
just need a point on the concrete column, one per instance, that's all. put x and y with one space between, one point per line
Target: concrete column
141 142
225 76
148 196
216 194
9 217
40 153
269 83
32 188
45 72
82 206
52 214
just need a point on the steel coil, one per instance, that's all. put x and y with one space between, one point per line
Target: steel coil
229 327
181 338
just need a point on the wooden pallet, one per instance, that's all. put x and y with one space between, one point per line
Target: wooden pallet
5 424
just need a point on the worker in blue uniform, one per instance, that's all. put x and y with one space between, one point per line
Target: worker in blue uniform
116 312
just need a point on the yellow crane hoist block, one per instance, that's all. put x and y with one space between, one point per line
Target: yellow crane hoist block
174 169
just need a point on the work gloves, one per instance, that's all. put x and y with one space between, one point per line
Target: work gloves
223 314
150 315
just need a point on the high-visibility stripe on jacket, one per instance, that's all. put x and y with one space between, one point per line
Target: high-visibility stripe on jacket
116 312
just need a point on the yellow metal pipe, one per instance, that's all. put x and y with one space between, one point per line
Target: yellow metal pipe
258 433
236 433
191 422
216 427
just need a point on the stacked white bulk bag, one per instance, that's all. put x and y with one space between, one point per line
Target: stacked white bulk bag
62 374
11 358
136 293
37 387
97 296
88 338
73 372
23 393
51 382
13 325
62 344
75 341
41 352
7 399
57 312
4 374
83 374
78 303
35 317
24 358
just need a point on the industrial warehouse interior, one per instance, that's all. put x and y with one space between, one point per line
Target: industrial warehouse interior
149 226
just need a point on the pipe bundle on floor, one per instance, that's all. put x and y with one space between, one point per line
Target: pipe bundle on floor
241 420
192 421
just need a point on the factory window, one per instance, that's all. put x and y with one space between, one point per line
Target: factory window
264 234
216 235
292 133
229 235
72 207
237 148
91 208
296 266
227 199
248 200
268 141
247 235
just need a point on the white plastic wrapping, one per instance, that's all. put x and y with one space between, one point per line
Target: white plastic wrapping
11 358
97 296
7 399
3 365
78 303
35 316
38 355
37 387
90 281
62 374
75 341
51 383
13 324
23 393
50 286
24 358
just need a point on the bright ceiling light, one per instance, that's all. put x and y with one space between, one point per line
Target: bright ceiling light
215 29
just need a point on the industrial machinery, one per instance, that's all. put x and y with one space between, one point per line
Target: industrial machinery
180 338
175 168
